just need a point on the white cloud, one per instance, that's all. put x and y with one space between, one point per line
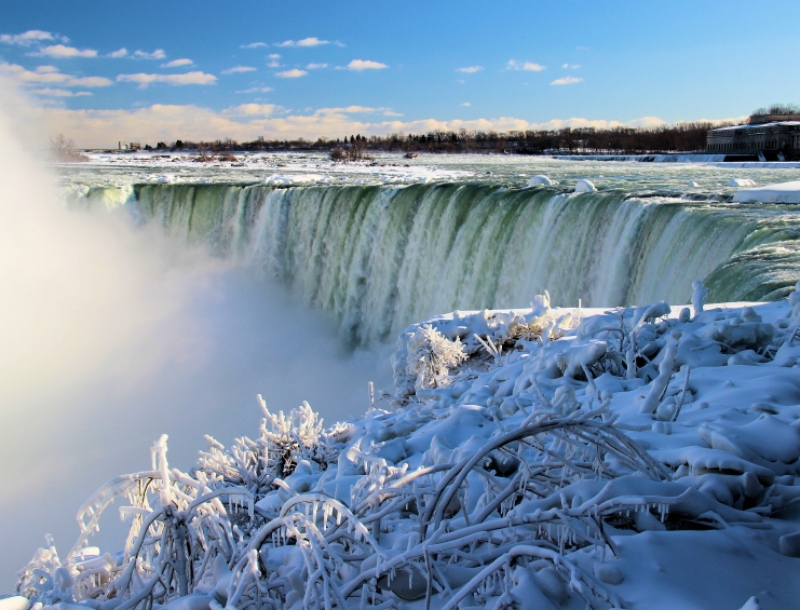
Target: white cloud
61 93
305 42
61 51
43 74
89 81
567 80
465 104
238 70
253 45
188 78
157 54
294 73
647 122
570 66
529 66
163 122
365 64
250 110
470 69
354 109
123 52
28 38
273 60
256 90
51 75
316 66
178 63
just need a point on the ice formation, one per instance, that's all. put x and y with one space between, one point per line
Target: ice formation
784 192
536 458
540 180
585 186
741 182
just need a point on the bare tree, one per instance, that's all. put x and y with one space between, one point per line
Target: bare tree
63 150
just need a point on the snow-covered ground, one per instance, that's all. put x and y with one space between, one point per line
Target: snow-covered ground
643 457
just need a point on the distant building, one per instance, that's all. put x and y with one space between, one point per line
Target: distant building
764 138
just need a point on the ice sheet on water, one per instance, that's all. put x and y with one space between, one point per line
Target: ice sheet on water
785 192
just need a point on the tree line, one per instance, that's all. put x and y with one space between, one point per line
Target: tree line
617 140
775 111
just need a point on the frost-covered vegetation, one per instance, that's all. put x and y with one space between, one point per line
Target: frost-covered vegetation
537 458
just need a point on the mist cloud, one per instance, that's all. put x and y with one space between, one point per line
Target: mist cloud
113 335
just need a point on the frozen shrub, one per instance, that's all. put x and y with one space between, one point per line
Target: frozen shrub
431 356
290 439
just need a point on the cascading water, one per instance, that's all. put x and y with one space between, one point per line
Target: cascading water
379 258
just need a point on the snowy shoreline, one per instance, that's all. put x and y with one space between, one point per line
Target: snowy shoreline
640 458
244 158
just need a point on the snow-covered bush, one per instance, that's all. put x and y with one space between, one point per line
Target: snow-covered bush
293 438
431 356
524 482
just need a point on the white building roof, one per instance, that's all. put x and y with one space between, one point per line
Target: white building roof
758 126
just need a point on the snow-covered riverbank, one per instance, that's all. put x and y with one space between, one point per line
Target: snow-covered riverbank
540 458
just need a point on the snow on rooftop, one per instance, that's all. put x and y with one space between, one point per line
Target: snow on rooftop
756 126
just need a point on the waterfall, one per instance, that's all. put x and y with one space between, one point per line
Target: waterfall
378 258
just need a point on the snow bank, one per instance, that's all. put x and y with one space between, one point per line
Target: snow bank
585 186
784 192
630 458
14 603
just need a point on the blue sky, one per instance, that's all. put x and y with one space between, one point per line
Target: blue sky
333 68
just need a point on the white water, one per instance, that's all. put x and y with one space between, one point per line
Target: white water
379 258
